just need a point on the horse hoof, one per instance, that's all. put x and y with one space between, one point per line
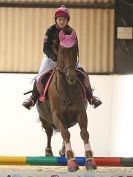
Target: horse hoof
90 164
48 152
72 166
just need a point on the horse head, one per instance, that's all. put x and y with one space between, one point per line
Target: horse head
67 55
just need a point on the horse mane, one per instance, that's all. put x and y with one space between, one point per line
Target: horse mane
67 30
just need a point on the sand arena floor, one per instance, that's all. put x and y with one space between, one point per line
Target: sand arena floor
27 168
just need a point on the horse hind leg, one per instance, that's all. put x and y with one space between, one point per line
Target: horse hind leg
49 132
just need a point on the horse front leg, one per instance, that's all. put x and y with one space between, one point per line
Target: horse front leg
90 162
71 162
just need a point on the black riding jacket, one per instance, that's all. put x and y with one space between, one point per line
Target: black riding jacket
51 42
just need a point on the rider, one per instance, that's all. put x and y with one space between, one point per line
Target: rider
50 48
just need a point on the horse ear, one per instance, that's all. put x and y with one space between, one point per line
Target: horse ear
61 35
73 35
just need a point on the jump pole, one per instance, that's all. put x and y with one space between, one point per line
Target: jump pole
62 161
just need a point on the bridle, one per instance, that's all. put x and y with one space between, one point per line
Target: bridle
62 70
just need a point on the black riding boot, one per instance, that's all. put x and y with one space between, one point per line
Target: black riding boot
30 102
93 100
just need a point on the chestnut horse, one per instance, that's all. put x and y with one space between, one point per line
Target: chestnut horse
65 104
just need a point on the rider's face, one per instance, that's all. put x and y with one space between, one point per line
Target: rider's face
61 22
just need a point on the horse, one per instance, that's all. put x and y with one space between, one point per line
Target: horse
65 105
